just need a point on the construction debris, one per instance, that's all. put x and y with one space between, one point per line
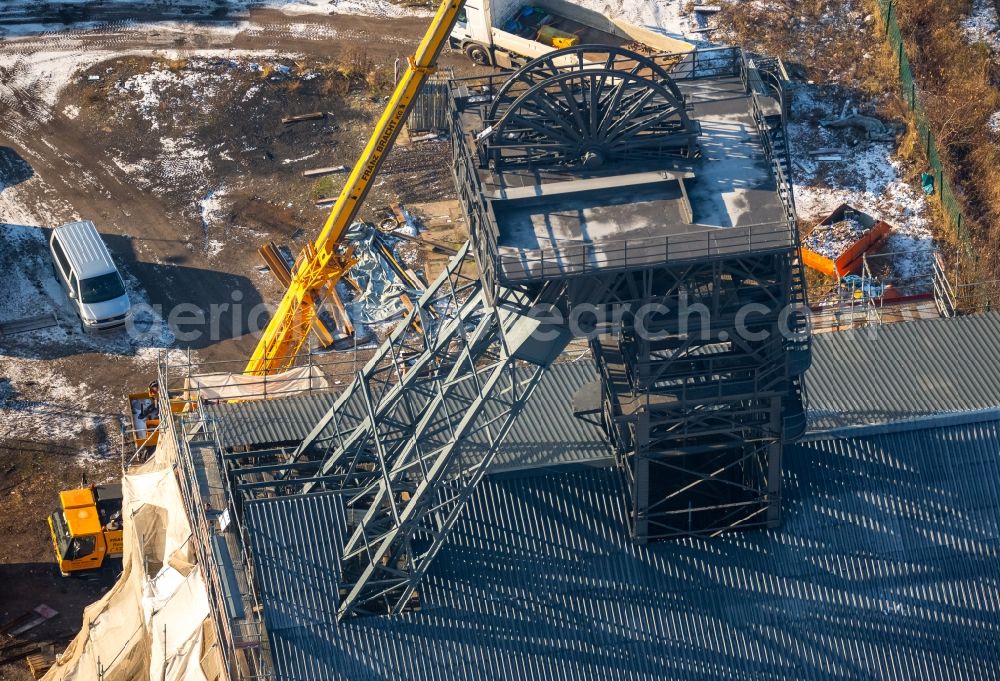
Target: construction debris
381 279
341 329
315 115
28 621
833 239
836 245
38 664
13 648
875 130
426 137
404 218
425 243
316 172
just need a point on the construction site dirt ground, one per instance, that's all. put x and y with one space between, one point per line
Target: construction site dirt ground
169 137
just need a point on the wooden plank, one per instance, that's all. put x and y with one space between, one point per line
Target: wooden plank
20 619
352 283
316 172
18 654
397 210
408 304
425 137
42 321
38 665
40 615
345 329
315 115
269 252
415 278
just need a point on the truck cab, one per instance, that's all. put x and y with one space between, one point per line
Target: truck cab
87 528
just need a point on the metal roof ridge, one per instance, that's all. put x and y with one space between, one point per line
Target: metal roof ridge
929 422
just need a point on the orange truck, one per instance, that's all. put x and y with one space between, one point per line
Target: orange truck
87 528
842 257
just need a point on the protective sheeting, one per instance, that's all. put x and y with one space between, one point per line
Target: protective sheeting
227 386
379 299
154 623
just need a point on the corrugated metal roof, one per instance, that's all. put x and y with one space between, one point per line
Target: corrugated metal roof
863 376
885 568
269 423
295 543
904 371
546 433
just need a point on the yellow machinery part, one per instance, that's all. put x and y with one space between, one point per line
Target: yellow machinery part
320 265
550 35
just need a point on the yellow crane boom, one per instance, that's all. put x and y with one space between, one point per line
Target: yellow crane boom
321 265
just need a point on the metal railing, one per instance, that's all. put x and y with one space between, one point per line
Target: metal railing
944 292
770 141
574 257
713 62
252 634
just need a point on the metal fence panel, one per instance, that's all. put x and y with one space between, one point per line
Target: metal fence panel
908 90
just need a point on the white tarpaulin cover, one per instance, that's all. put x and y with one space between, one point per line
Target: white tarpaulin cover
226 386
149 626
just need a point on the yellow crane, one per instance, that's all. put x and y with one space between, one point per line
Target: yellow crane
320 265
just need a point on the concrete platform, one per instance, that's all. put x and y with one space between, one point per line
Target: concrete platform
557 223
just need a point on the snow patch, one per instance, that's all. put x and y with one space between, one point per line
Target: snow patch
35 401
289 161
31 83
994 122
982 24
38 403
669 17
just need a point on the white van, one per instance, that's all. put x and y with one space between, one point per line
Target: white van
82 262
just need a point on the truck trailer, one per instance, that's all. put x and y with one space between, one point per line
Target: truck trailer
510 33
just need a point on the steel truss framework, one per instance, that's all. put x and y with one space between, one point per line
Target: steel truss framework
584 106
408 441
699 415
699 396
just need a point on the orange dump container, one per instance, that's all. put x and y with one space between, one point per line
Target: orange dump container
849 259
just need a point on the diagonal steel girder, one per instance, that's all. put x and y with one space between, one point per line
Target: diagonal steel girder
450 298
417 429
